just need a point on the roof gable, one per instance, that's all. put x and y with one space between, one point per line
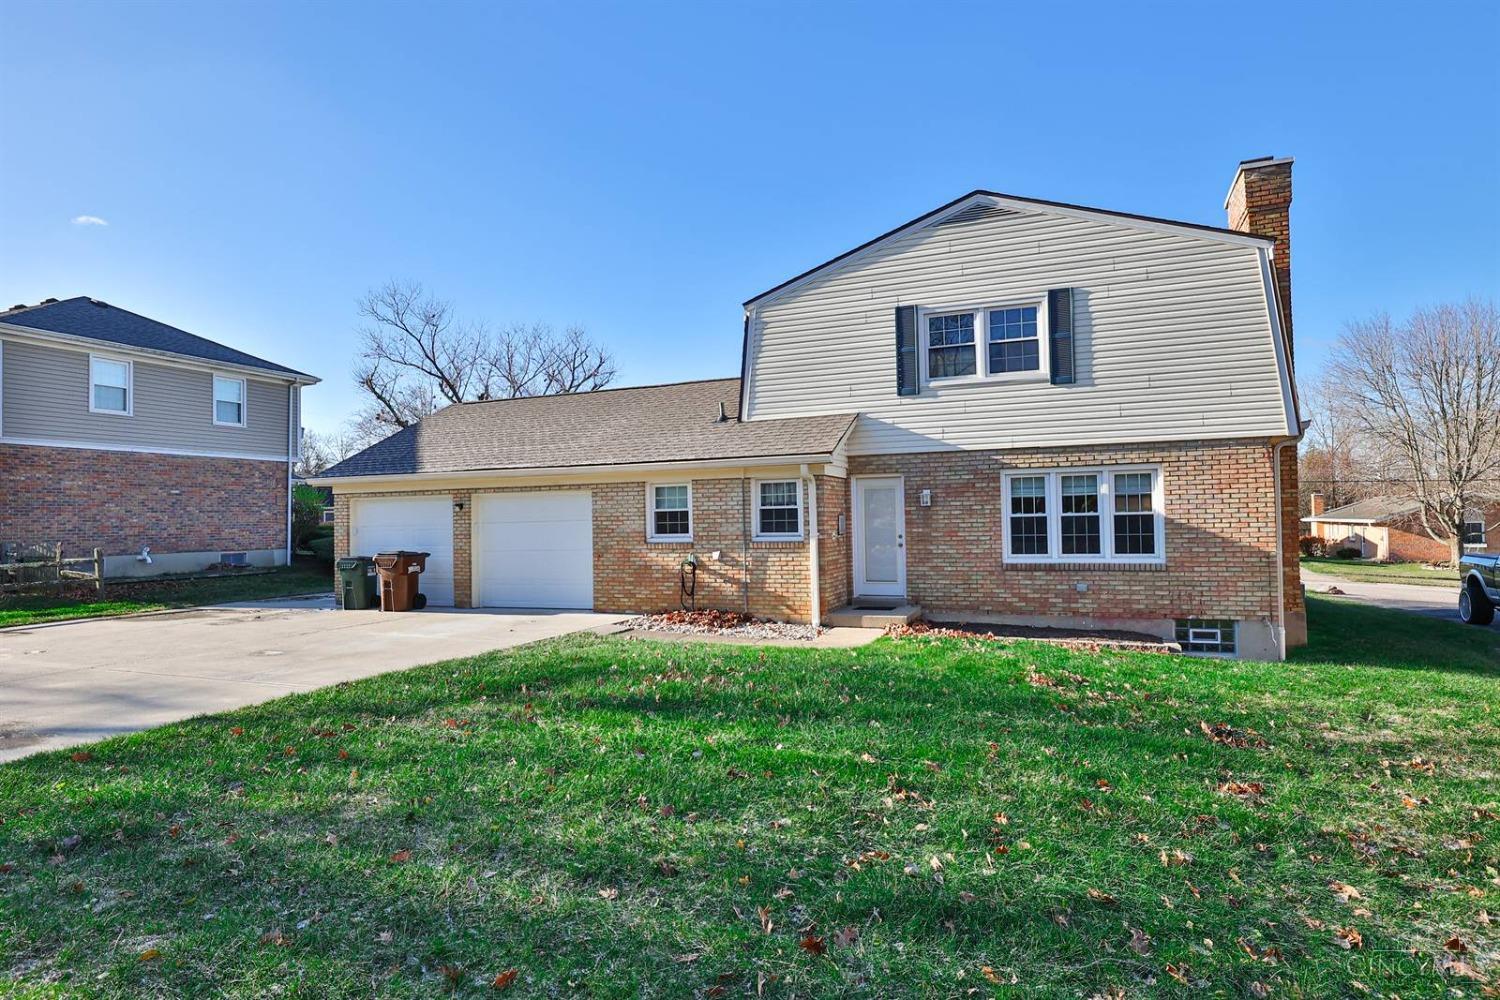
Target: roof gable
92 319
976 202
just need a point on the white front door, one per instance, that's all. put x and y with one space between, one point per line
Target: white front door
533 550
879 536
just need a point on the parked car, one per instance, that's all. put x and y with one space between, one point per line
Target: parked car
1481 589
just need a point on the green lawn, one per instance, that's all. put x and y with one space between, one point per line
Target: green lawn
303 577
618 818
1373 572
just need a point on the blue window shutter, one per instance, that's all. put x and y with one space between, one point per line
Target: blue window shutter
1060 331
906 350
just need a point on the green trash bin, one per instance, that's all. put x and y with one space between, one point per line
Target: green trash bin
357 586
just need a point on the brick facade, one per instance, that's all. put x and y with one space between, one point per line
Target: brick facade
121 501
766 579
1219 500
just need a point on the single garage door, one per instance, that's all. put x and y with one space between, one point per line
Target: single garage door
534 550
421 524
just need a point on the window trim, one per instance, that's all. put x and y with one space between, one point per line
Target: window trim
1186 624
129 410
651 533
1483 534
214 400
1106 482
756 534
981 313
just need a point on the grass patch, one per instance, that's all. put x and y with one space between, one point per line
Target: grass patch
915 817
1374 572
124 598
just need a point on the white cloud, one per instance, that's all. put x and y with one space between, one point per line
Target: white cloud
89 220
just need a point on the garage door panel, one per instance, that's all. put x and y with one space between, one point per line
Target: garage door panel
422 524
534 550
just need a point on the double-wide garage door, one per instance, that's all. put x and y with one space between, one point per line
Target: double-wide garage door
533 550
530 550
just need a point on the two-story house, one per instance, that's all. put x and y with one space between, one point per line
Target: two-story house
167 451
1006 409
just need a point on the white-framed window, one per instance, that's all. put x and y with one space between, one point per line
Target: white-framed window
1474 534
111 385
979 343
1110 515
669 512
778 509
229 401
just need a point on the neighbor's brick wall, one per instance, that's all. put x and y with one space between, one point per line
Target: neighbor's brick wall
1220 505
766 579
1410 542
121 501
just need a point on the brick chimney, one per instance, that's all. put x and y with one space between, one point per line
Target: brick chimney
1260 202
1316 503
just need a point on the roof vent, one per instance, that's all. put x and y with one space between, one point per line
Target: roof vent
100 303
47 302
18 305
723 417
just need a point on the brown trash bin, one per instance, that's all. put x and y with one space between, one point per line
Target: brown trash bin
398 572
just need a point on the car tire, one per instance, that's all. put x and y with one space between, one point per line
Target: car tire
1474 606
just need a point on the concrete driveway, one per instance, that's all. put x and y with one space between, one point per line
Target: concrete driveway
1436 602
74 682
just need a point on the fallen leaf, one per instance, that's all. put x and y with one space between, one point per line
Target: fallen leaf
610 893
150 955
237 731
846 937
812 945
1456 945
989 974
1140 941
1178 972
1344 891
1260 990
1347 938
1103 898
765 919
401 857
504 979
81 757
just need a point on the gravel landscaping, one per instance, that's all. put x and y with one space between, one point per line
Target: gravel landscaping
728 623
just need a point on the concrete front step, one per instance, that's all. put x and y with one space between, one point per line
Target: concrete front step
862 616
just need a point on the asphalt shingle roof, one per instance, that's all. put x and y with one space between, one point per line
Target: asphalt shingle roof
1371 509
85 317
656 423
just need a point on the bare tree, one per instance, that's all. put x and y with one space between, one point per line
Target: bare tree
323 451
416 357
1428 393
1335 459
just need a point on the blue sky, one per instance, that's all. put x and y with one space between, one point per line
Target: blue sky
641 169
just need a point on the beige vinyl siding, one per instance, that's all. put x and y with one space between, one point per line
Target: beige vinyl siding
1173 338
46 398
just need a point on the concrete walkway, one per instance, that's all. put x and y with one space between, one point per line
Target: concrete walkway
1437 602
73 682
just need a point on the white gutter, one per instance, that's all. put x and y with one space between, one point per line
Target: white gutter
182 360
815 610
1280 551
575 470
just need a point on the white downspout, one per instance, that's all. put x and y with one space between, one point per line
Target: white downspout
815 610
1280 553
291 460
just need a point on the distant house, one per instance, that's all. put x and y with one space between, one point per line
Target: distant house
168 451
1389 529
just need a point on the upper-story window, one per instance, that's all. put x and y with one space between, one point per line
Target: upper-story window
229 401
778 510
670 514
110 386
1010 345
1084 515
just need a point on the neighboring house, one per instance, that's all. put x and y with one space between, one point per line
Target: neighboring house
1006 409
125 434
1389 529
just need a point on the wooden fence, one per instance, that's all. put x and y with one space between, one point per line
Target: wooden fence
25 568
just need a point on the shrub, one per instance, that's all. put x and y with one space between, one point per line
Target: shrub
1312 545
307 513
322 548
1348 553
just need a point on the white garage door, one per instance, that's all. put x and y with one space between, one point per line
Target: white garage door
534 550
421 524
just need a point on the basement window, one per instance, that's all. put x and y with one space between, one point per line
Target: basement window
1206 635
234 558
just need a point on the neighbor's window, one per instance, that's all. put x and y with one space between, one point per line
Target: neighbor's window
1083 515
1206 635
229 401
778 509
109 385
950 345
671 513
1474 533
1014 345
